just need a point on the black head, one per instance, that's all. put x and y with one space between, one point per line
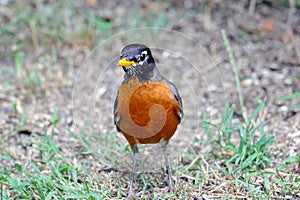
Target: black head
137 62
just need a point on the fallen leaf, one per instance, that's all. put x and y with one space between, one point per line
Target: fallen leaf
268 26
286 38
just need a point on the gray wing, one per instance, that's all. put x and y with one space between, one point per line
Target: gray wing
178 98
116 116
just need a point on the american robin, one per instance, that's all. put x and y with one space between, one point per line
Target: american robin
148 107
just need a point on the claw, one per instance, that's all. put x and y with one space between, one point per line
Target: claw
131 195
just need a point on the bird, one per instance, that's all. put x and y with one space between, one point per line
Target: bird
148 107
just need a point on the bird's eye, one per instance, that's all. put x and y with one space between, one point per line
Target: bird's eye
142 57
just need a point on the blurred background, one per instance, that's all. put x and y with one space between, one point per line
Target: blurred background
43 44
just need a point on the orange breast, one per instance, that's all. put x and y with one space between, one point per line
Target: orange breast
147 112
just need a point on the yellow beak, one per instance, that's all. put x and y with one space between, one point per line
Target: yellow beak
124 62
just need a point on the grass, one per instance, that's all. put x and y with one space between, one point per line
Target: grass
241 164
235 73
291 96
52 177
253 151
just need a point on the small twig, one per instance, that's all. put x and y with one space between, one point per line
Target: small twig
252 7
290 15
289 28
207 17
34 35
192 163
273 171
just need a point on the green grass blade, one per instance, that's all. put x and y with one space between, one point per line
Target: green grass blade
235 72
290 96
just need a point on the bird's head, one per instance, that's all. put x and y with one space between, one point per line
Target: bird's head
137 61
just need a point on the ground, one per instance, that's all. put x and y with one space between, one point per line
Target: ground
240 135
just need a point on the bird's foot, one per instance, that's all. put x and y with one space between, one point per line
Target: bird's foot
171 189
131 195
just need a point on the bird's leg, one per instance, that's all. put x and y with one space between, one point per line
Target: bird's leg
131 193
164 148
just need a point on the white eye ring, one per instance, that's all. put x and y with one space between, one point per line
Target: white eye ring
144 52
